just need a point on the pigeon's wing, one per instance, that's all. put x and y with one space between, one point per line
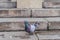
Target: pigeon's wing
28 29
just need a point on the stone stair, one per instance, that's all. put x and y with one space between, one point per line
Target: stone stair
7 4
13 14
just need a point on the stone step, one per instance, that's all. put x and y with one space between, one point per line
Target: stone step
51 4
45 13
49 35
12 23
18 23
20 26
13 0
16 36
29 3
15 13
7 4
40 13
5 0
51 0
6 23
54 25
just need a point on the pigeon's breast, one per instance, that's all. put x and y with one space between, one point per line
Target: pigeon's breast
32 28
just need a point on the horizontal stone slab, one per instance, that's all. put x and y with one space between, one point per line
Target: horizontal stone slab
16 36
51 4
20 13
51 0
14 13
45 13
54 25
13 0
54 19
4 0
27 13
7 4
23 19
49 35
19 25
29 4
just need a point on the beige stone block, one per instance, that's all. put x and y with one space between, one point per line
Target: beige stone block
13 0
54 25
29 3
19 13
15 13
36 3
20 25
7 5
45 13
51 0
48 35
17 36
51 4
11 26
4 13
23 3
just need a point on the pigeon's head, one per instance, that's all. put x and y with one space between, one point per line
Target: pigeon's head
36 24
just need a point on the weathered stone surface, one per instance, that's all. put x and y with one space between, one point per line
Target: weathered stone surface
19 25
13 0
7 5
4 0
16 36
14 13
3 13
19 13
29 3
54 25
51 4
51 0
11 26
49 35
45 13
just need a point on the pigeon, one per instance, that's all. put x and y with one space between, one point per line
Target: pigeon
30 28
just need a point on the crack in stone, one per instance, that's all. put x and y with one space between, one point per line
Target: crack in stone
37 36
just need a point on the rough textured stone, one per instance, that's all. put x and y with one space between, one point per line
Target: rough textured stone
16 36
51 0
54 25
14 13
49 35
3 13
51 4
20 13
13 0
29 3
4 0
19 26
7 5
45 13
